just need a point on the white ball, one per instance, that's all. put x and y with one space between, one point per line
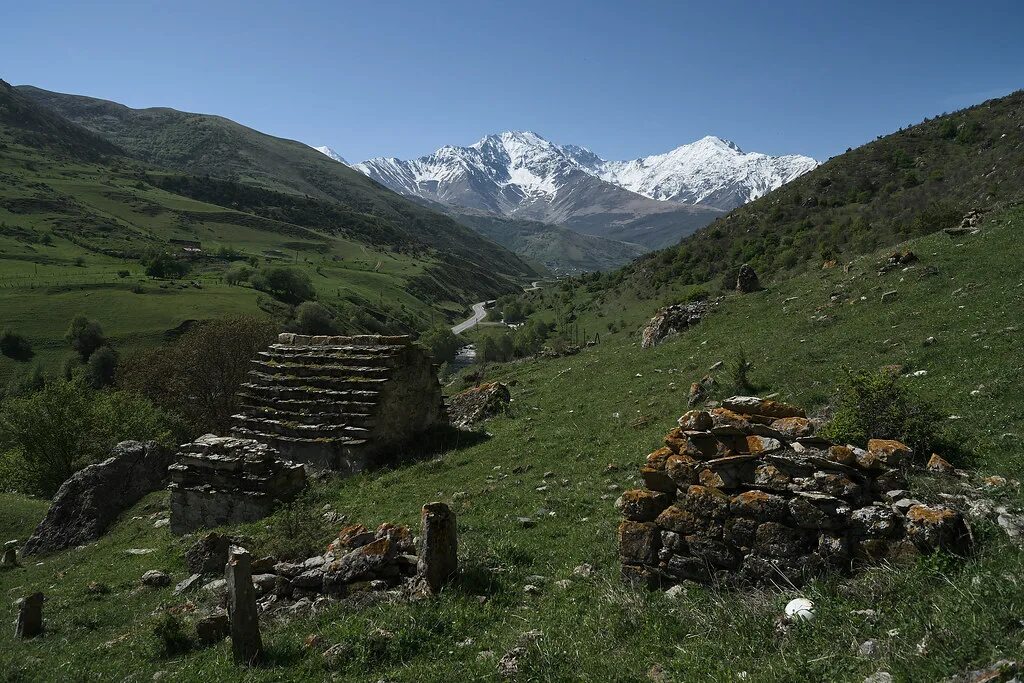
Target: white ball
800 609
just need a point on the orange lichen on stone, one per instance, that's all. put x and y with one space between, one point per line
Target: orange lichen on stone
842 455
889 451
794 427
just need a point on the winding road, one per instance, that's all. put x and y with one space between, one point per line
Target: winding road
480 312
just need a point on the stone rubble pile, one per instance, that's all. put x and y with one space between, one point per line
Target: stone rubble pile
747 493
221 480
478 403
339 402
672 320
969 225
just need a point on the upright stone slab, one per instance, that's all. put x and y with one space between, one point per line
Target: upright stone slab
30 616
10 558
246 644
340 403
438 561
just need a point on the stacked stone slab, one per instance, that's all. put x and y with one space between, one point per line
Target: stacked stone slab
339 402
748 494
224 480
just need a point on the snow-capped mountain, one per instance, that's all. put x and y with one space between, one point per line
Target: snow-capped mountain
523 166
327 151
709 171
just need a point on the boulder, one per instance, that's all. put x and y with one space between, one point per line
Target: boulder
209 554
478 403
672 320
746 280
92 498
934 527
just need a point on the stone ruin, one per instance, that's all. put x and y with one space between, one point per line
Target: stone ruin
747 493
223 480
339 402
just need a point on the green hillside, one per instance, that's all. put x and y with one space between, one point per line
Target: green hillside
913 182
611 404
77 218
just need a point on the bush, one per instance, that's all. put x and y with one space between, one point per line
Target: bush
313 318
100 369
198 375
879 406
237 274
290 285
164 265
170 636
48 435
31 380
442 342
296 530
85 336
16 346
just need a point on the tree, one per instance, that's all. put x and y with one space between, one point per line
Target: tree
164 265
198 375
290 285
101 367
85 336
16 346
238 273
442 342
313 318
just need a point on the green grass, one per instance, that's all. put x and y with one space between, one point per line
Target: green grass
610 405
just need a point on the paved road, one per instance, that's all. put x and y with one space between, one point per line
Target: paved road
479 313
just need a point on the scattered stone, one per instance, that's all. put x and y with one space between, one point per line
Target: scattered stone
209 554
563 583
584 571
675 592
1003 671
969 225
526 522
30 616
92 498
889 296
800 609
930 341
531 589
155 578
246 644
869 649
879 677
672 320
438 560
336 656
189 584
140 551
10 557
478 403
939 465
700 391
747 280
97 588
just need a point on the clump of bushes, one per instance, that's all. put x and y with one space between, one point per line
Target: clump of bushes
238 273
163 265
47 435
15 346
290 285
519 343
442 342
85 336
311 317
877 405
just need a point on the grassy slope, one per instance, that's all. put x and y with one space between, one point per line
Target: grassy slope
575 415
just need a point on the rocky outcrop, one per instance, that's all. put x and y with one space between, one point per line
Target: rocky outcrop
89 502
221 480
747 281
673 320
478 403
969 225
747 493
339 402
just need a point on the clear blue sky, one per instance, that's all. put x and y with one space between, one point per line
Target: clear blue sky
400 78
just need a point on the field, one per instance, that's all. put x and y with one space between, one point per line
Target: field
548 460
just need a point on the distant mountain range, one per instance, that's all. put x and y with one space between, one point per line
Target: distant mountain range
653 201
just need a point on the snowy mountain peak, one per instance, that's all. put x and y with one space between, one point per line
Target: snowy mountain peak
328 152
503 171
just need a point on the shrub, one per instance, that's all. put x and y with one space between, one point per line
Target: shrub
100 369
50 434
198 375
164 265
170 636
85 336
31 380
442 342
313 318
290 285
237 274
296 530
879 406
16 346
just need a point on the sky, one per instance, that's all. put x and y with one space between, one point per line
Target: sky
625 79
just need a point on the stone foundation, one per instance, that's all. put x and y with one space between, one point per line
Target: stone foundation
340 403
223 480
748 494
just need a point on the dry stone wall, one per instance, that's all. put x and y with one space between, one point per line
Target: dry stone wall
747 493
339 402
223 480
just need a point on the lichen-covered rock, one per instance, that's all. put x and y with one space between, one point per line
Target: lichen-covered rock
478 403
933 527
889 452
641 505
747 280
763 507
754 405
727 422
794 427
92 498
638 542
939 465
695 420
209 554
